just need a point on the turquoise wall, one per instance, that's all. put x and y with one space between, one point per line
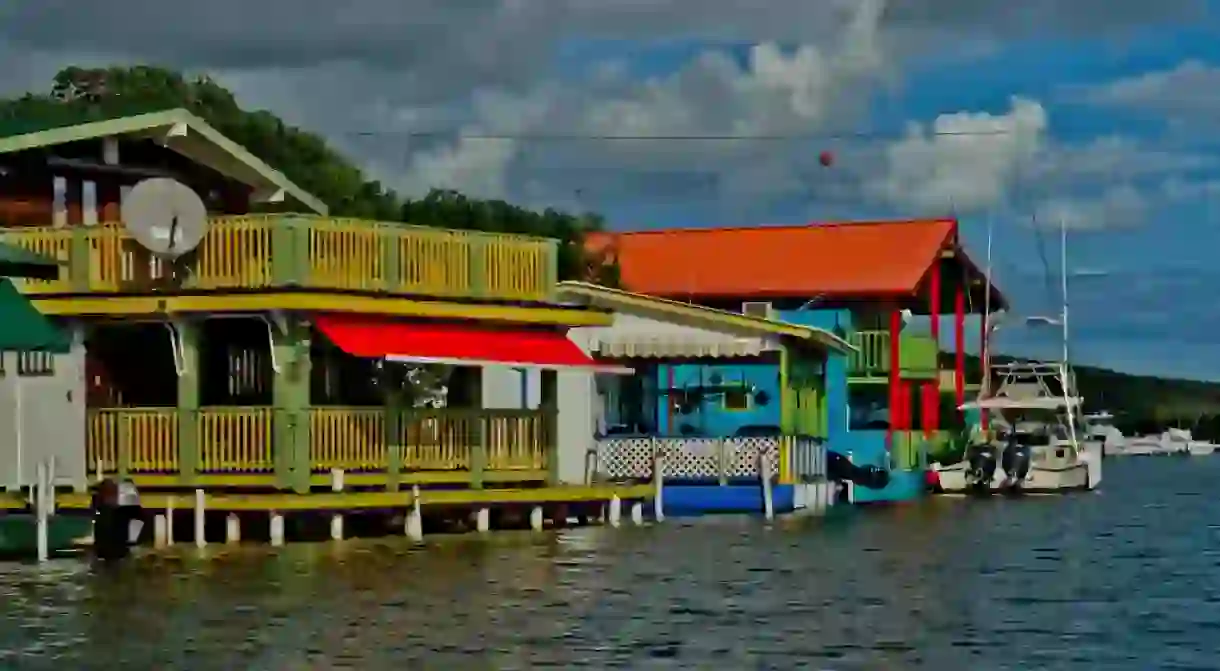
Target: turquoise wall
710 418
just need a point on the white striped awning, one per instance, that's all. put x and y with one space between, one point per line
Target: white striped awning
673 345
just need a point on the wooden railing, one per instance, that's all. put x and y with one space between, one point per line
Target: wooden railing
280 250
358 439
241 440
917 354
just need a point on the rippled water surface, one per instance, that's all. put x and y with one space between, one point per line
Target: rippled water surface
1128 578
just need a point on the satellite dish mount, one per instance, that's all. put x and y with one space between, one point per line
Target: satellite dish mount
168 220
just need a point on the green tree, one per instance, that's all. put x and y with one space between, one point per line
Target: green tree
80 94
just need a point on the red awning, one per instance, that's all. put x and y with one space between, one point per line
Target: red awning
455 344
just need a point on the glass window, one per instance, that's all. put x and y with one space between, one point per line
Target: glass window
737 399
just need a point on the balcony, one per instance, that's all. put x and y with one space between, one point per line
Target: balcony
278 251
917 355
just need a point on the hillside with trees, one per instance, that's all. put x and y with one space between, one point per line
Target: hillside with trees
77 95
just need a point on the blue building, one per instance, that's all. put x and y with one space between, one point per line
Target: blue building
886 404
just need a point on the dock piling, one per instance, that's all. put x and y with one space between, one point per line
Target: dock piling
536 518
637 513
764 474
658 480
160 535
482 520
200 510
42 510
616 511
232 529
415 518
169 522
336 519
276 529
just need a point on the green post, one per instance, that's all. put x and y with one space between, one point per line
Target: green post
290 252
787 400
290 397
78 259
391 259
478 266
481 423
123 468
550 407
189 460
393 439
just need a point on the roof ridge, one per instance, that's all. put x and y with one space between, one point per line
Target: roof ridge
785 227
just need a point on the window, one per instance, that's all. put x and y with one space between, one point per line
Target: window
737 399
868 407
35 364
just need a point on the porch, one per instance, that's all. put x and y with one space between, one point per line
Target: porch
254 446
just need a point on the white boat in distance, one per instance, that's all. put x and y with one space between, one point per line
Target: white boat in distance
1168 443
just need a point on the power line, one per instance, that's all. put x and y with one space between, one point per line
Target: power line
727 137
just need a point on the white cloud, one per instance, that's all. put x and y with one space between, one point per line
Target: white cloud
963 161
1187 92
1120 206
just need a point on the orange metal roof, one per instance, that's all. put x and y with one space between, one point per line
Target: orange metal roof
867 258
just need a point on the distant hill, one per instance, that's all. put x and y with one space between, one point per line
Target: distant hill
1144 403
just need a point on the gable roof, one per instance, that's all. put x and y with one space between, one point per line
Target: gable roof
177 130
848 259
698 316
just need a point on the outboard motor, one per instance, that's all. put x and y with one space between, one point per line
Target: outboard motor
1016 460
117 518
840 469
981 459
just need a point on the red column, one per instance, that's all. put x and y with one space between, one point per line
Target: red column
934 300
984 353
895 380
959 337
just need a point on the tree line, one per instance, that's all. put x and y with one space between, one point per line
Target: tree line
79 94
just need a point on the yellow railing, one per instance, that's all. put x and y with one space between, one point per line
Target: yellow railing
282 250
430 440
241 439
146 438
235 440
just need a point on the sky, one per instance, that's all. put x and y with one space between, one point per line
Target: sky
1099 116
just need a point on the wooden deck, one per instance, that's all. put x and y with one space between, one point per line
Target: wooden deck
303 252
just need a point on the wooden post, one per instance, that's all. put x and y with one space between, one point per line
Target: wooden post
200 512
336 519
415 519
658 481
42 510
392 424
615 516
764 474
232 529
169 521
482 520
637 513
959 340
276 528
160 536
187 335
722 461
536 518
290 397
478 456
550 407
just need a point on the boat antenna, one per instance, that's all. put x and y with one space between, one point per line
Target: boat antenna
1068 385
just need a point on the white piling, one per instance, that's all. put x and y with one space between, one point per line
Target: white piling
98 470
42 511
276 529
616 511
536 518
232 529
637 513
336 520
200 509
764 474
415 518
160 537
169 521
482 520
658 480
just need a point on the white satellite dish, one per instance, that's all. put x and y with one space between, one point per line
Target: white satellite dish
165 216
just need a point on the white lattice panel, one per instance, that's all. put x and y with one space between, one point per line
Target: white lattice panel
626 458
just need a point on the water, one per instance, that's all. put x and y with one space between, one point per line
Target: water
1124 579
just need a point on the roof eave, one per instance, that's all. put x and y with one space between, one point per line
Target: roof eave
175 129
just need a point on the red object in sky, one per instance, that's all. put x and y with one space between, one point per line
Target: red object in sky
826 158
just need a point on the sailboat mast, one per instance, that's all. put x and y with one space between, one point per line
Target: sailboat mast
1068 384
985 344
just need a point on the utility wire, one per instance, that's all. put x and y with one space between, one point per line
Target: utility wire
727 137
